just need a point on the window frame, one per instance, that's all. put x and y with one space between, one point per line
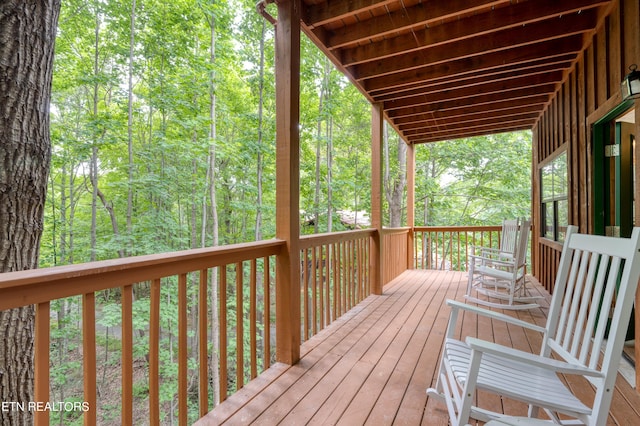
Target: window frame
550 201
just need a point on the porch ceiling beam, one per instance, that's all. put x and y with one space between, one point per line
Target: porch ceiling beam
514 39
518 83
434 125
480 125
519 105
404 19
459 135
531 70
500 19
336 10
515 58
419 122
477 101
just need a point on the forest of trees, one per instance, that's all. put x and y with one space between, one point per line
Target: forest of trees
162 133
148 112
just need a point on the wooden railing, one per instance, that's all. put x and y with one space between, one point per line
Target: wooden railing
163 312
173 284
335 276
167 322
448 247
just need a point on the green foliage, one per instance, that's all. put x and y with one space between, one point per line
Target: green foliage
158 200
478 181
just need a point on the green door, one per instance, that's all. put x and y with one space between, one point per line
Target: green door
613 177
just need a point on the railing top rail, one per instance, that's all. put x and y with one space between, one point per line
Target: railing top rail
308 241
458 228
391 231
21 288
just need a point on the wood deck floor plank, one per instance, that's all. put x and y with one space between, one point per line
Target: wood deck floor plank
408 380
355 377
329 340
350 352
372 365
393 371
342 328
435 412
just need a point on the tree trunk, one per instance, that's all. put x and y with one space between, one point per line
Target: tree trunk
93 169
394 184
259 165
27 34
132 29
215 361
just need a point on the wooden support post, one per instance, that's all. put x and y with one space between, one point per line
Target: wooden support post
287 181
411 200
377 254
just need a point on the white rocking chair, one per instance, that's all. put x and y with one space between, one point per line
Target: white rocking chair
595 285
501 273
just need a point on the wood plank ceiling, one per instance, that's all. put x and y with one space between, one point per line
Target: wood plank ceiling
447 69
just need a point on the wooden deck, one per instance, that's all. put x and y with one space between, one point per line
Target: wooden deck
372 366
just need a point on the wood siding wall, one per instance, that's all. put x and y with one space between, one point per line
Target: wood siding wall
589 91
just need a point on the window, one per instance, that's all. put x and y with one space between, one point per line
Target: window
554 203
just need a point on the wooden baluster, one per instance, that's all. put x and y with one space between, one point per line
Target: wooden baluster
223 334
346 263
314 291
355 260
41 367
203 356
267 313
253 317
320 288
183 350
452 239
327 266
305 301
362 272
239 328
459 266
336 281
154 354
127 355
89 355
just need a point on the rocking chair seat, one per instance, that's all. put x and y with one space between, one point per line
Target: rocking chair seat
493 272
517 379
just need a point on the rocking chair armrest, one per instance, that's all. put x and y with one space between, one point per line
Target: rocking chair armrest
530 359
494 260
454 304
480 249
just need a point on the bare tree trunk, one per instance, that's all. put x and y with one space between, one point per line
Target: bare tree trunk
259 166
328 66
93 170
27 35
394 185
319 134
215 361
108 205
132 29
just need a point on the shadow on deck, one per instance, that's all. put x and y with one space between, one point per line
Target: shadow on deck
373 364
